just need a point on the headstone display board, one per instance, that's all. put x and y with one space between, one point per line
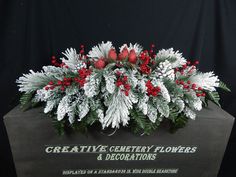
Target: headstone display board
196 150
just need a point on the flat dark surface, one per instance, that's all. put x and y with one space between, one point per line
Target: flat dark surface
30 131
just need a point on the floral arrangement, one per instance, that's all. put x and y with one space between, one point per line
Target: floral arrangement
131 87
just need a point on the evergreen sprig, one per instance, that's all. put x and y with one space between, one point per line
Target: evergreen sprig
180 121
26 101
141 124
223 86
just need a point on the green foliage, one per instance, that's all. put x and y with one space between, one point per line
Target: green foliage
180 121
90 118
26 101
162 107
223 86
59 126
213 96
174 112
140 124
64 127
173 88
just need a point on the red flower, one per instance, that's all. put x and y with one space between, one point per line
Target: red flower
124 54
112 54
132 57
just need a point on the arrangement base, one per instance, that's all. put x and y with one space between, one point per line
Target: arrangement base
196 150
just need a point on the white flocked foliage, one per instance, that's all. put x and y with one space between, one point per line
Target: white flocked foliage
103 95
100 51
164 70
33 81
207 81
110 81
91 87
72 59
63 107
170 54
118 110
152 113
143 104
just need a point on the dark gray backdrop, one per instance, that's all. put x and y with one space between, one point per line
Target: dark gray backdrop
31 31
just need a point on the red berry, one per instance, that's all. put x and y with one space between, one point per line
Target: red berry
81 51
118 83
125 78
59 82
52 87
203 94
188 62
50 83
152 45
53 57
46 88
126 93
154 93
188 82
127 86
186 86
194 86
196 62
100 63
62 88
200 88
54 61
198 94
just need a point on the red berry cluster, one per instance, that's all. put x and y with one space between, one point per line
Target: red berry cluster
81 49
188 64
145 58
56 63
60 83
67 81
151 51
50 86
123 80
188 85
83 73
151 90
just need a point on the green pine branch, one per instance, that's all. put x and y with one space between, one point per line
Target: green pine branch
223 86
140 124
179 122
26 101
213 96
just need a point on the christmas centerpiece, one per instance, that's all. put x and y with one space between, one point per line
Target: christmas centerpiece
128 87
